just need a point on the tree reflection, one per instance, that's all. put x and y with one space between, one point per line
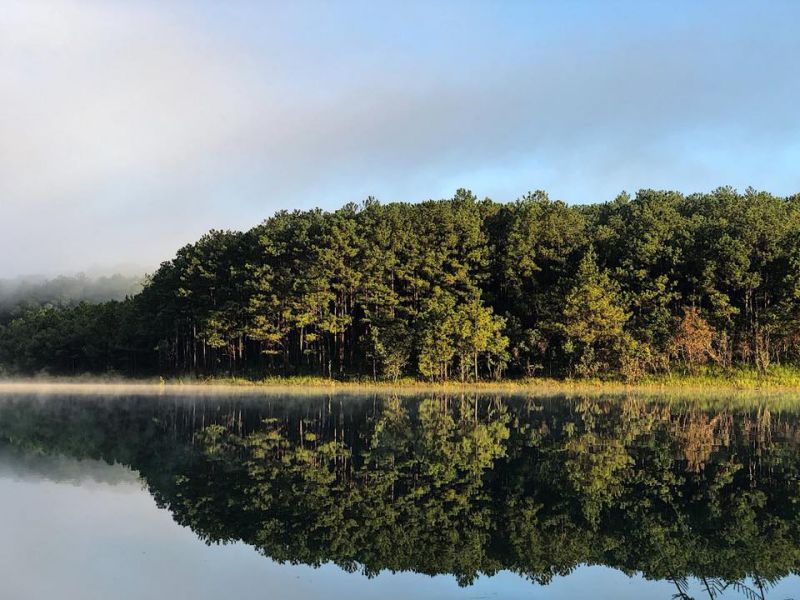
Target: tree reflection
463 485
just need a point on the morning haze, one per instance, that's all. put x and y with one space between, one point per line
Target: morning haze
128 129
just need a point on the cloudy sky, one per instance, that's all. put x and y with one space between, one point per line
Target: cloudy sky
129 128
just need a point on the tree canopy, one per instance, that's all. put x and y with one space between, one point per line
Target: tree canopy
457 288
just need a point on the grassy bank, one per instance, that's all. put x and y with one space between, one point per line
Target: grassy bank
775 378
783 380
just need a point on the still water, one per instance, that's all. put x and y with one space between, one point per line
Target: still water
284 496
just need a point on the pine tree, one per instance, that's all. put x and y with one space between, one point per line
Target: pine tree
593 318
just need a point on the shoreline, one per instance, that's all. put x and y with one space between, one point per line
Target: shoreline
683 385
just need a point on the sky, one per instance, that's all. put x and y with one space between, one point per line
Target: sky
128 129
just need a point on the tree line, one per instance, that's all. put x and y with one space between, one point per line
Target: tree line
460 288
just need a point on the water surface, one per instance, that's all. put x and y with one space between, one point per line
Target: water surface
337 496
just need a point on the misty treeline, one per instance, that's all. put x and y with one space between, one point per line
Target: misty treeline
24 293
454 289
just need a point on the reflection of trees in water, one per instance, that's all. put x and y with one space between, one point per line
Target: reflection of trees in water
700 434
461 485
714 588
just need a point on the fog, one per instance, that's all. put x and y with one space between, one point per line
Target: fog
23 292
129 129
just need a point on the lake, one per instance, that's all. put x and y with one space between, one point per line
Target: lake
375 495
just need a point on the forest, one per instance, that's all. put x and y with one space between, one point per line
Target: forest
461 288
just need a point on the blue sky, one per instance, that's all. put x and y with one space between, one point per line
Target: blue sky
129 128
